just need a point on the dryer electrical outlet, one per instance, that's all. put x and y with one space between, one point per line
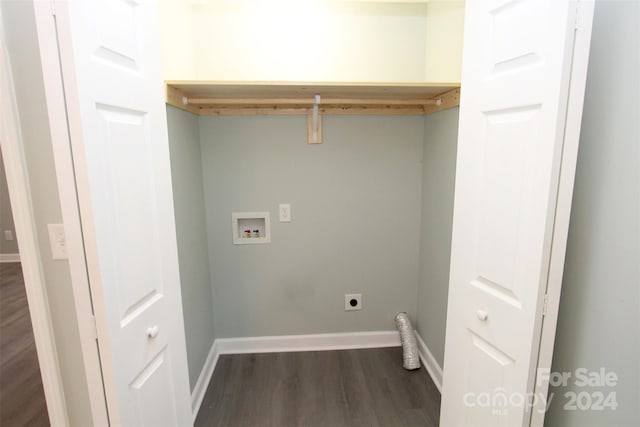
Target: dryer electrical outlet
352 302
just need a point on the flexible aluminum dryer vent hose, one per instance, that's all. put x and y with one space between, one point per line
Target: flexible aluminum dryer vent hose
410 356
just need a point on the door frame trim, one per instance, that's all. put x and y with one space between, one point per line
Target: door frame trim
30 256
49 38
86 275
573 122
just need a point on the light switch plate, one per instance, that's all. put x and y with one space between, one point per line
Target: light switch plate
58 241
285 212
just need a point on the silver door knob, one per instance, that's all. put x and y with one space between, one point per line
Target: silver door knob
152 331
482 315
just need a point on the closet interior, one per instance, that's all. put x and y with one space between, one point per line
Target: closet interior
364 157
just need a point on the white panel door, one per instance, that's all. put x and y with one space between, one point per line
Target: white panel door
516 78
111 62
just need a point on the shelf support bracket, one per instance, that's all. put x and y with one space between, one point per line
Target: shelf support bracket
314 123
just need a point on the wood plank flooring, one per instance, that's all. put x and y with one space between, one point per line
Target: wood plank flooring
22 400
324 388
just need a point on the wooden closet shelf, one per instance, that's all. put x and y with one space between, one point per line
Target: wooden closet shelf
284 98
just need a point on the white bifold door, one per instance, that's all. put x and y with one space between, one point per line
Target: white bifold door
519 71
113 84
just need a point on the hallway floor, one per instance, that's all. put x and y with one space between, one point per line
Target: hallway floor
22 400
323 388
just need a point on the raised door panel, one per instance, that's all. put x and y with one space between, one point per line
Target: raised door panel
516 78
124 187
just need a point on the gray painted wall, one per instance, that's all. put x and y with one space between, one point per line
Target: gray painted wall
191 227
355 206
600 304
21 39
438 181
6 217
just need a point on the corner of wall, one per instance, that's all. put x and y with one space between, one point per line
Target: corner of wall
193 255
443 50
176 37
439 165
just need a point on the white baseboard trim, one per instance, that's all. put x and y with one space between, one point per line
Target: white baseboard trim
197 395
9 257
430 363
315 342
286 343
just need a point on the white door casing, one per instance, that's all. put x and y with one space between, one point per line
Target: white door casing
11 146
111 64
517 65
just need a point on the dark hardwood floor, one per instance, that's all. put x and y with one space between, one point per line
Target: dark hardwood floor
323 388
22 400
